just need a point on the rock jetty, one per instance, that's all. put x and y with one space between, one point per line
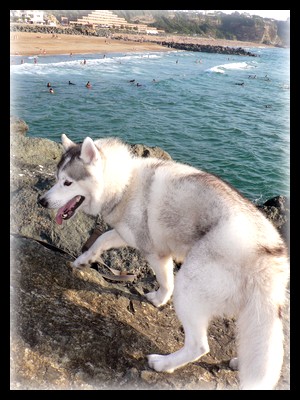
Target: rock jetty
207 48
75 329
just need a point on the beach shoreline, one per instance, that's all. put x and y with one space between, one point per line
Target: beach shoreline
35 44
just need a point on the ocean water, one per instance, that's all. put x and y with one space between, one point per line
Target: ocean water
195 109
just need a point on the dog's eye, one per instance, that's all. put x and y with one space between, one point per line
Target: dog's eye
67 183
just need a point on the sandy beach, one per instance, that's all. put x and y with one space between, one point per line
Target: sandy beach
31 44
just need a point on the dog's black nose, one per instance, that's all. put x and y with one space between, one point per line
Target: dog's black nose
43 202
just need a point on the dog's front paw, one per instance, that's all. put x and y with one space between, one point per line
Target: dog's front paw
82 262
159 363
77 266
158 298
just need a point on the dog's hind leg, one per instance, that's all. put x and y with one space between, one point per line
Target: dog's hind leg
195 345
163 269
203 289
194 314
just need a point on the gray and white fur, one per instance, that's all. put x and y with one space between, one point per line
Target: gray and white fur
234 261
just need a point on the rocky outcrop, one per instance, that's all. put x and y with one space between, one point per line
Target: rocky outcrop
75 329
207 48
277 210
18 126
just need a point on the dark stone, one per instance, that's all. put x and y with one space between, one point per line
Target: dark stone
207 48
277 210
142 150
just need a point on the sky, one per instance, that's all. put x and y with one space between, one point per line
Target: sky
281 15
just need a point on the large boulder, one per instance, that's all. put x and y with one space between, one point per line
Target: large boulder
75 329
72 329
18 126
33 168
277 210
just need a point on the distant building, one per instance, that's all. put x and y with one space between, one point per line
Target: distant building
28 16
153 31
64 20
107 19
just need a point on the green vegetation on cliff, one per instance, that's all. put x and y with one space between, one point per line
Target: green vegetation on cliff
235 26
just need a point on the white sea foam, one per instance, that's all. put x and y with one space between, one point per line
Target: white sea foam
221 69
76 65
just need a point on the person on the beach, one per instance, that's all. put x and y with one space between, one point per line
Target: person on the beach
88 85
84 61
48 84
51 90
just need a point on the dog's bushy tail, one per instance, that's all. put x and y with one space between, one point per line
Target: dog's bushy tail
260 348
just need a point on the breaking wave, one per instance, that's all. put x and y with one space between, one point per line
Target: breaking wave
221 69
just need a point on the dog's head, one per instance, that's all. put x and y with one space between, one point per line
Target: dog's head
78 180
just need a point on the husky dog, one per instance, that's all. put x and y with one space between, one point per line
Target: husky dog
233 259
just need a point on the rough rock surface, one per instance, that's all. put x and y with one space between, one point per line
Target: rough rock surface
74 329
207 48
277 210
18 126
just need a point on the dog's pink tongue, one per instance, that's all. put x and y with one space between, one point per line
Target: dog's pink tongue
65 209
59 214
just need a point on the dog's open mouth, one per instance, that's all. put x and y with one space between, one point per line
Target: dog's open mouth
68 210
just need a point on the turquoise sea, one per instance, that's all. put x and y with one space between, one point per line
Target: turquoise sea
189 103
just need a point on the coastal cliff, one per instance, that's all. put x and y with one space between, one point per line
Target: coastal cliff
76 329
219 27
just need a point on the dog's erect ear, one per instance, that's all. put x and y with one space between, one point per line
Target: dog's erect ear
66 142
89 151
